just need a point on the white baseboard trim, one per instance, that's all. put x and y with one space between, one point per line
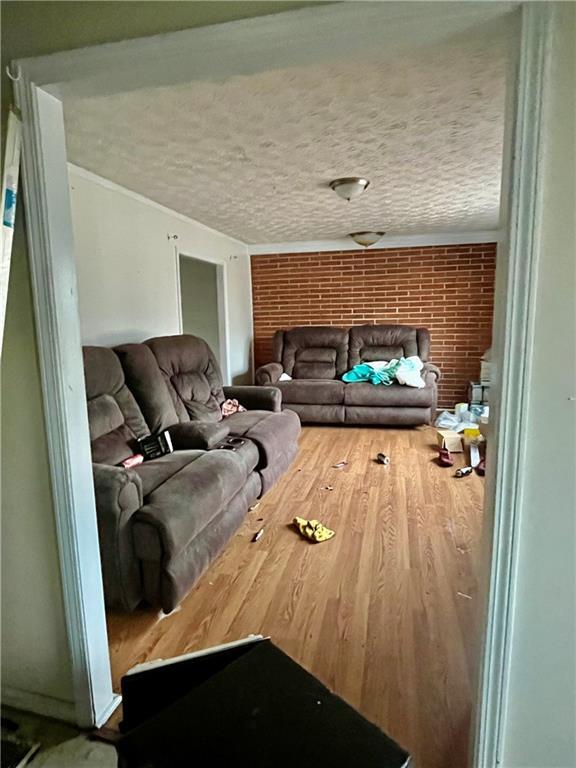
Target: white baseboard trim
107 712
50 706
39 704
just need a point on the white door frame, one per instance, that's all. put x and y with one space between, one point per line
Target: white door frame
222 309
228 49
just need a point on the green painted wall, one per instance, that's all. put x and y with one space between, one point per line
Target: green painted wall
34 650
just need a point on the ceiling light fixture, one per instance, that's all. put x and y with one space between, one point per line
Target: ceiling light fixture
350 187
366 238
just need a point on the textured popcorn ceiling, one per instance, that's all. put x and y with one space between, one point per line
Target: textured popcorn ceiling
252 156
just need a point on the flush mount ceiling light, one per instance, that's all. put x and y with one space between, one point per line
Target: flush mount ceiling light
349 188
366 238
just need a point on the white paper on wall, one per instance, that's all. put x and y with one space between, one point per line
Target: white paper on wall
9 195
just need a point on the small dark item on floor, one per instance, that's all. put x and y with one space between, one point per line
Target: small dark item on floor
481 467
327 488
445 458
463 472
257 536
381 458
16 752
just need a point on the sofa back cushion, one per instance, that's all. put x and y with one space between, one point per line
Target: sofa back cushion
386 342
313 352
148 385
114 418
192 376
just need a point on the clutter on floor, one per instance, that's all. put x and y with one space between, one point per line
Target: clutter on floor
479 391
245 703
449 440
381 458
463 431
313 530
339 465
445 458
258 535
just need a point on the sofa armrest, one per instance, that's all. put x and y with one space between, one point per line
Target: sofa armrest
431 368
118 496
117 488
268 374
202 435
256 398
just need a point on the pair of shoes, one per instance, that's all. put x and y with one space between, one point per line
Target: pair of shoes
445 457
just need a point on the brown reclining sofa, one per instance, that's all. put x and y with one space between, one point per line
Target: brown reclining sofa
316 357
162 522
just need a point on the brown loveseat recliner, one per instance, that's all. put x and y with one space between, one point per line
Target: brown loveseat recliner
162 522
316 357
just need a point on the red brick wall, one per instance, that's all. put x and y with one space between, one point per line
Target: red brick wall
447 289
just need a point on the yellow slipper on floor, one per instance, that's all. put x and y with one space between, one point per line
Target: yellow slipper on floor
313 530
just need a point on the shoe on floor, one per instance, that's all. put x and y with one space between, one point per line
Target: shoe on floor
445 457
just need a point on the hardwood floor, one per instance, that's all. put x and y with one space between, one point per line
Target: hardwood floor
384 614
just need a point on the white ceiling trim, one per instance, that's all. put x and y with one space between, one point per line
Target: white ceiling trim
254 45
398 241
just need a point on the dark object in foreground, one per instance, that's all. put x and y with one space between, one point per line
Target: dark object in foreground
381 458
247 705
15 751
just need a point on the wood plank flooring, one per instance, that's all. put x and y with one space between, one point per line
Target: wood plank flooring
385 614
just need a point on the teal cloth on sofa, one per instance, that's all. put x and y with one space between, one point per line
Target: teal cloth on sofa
380 373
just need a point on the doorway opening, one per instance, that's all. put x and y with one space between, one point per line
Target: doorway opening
202 286
49 115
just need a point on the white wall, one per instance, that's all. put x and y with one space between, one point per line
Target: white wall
539 725
127 268
36 665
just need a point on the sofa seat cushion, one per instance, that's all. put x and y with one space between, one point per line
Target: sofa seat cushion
179 573
181 508
273 433
364 393
157 471
320 414
248 454
312 391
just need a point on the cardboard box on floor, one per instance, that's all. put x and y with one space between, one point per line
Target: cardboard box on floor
451 440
